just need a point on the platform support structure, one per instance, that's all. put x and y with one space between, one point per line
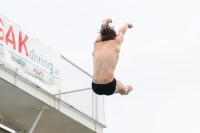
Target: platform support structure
37 119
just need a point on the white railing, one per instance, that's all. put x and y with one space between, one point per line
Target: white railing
78 92
75 90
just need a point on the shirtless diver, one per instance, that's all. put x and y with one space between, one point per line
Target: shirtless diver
105 57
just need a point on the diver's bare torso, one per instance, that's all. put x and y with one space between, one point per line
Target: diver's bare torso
105 58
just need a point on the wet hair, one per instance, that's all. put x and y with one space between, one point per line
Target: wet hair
107 32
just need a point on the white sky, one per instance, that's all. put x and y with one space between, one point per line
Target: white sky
159 57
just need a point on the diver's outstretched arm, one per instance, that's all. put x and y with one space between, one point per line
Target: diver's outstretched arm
123 29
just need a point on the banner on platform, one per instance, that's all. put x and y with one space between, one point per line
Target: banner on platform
21 50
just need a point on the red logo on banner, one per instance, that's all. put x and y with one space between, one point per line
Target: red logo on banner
38 72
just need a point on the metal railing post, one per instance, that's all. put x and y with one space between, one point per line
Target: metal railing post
96 112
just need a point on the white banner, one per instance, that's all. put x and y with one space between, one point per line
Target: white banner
25 52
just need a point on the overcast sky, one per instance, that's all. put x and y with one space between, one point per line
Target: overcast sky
160 56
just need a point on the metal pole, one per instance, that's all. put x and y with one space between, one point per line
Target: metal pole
16 73
59 99
92 104
96 110
36 119
73 91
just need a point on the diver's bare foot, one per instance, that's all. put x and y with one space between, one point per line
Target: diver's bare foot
130 88
126 89
121 92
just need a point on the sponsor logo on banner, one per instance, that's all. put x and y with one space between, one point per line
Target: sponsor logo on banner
54 82
22 50
38 72
18 61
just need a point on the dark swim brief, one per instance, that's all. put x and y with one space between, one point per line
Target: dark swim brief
104 89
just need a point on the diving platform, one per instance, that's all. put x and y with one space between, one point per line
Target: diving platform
21 101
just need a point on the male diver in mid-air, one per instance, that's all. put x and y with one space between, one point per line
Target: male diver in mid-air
105 57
